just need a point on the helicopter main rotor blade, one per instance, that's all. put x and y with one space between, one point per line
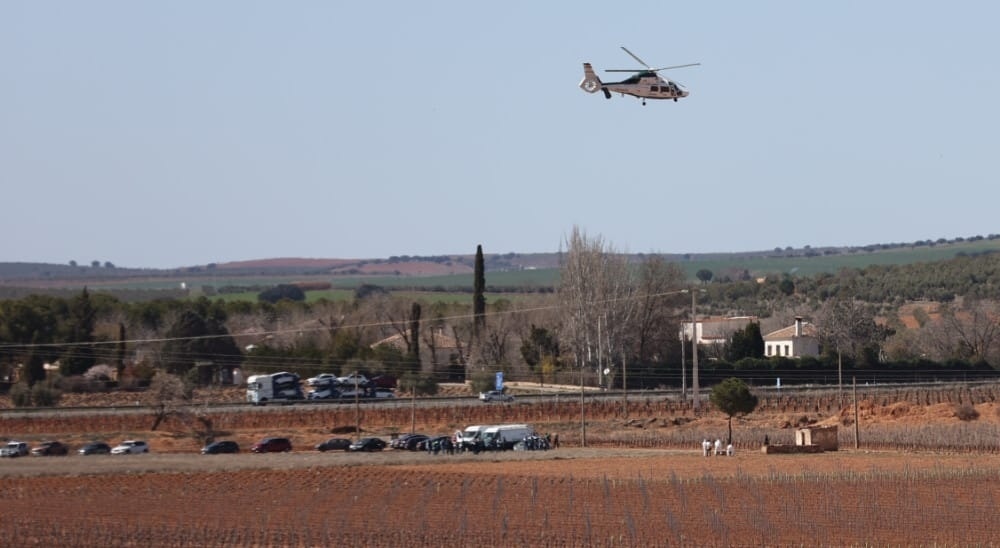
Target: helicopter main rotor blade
675 67
641 62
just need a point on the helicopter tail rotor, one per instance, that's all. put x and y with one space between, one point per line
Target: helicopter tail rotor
591 82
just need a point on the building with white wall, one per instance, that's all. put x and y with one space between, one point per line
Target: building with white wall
795 341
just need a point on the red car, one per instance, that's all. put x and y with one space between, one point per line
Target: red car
272 445
50 448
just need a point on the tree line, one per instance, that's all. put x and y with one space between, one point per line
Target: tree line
612 322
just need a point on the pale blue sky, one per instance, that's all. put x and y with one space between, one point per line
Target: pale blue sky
162 134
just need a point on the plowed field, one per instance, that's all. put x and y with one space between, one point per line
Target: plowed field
565 497
921 477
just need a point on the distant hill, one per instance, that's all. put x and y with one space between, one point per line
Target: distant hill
508 270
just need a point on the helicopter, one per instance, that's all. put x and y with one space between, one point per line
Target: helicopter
645 83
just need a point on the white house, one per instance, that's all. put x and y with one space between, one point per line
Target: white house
715 330
795 341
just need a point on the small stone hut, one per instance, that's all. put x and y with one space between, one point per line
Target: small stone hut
823 436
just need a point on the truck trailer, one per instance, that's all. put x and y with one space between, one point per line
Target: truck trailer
281 387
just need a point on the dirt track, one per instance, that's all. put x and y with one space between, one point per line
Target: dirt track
577 462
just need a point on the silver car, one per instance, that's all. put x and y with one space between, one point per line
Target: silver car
130 447
495 395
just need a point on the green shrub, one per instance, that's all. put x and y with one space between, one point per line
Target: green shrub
44 395
20 395
78 384
483 382
422 385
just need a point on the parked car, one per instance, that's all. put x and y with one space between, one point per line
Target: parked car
334 444
217 447
95 448
401 441
429 443
130 447
323 379
412 443
495 395
351 394
272 445
367 445
14 449
384 381
327 393
50 449
354 379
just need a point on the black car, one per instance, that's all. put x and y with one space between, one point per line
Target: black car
225 446
413 442
95 448
428 444
399 441
368 445
50 448
408 441
334 444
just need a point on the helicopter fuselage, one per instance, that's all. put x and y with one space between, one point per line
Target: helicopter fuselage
646 85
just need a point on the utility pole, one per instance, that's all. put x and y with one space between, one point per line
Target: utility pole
583 413
854 381
684 386
357 407
840 378
694 353
625 385
413 407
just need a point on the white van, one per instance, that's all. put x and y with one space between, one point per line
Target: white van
503 437
470 436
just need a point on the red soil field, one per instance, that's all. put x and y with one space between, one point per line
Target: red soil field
639 482
574 498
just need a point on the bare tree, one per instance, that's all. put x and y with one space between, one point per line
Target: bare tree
495 337
655 322
393 316
579 292
597 290
464 333
618 314
168 395
432 335
969 332
848 326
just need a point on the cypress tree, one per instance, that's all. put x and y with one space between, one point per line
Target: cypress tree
478 293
